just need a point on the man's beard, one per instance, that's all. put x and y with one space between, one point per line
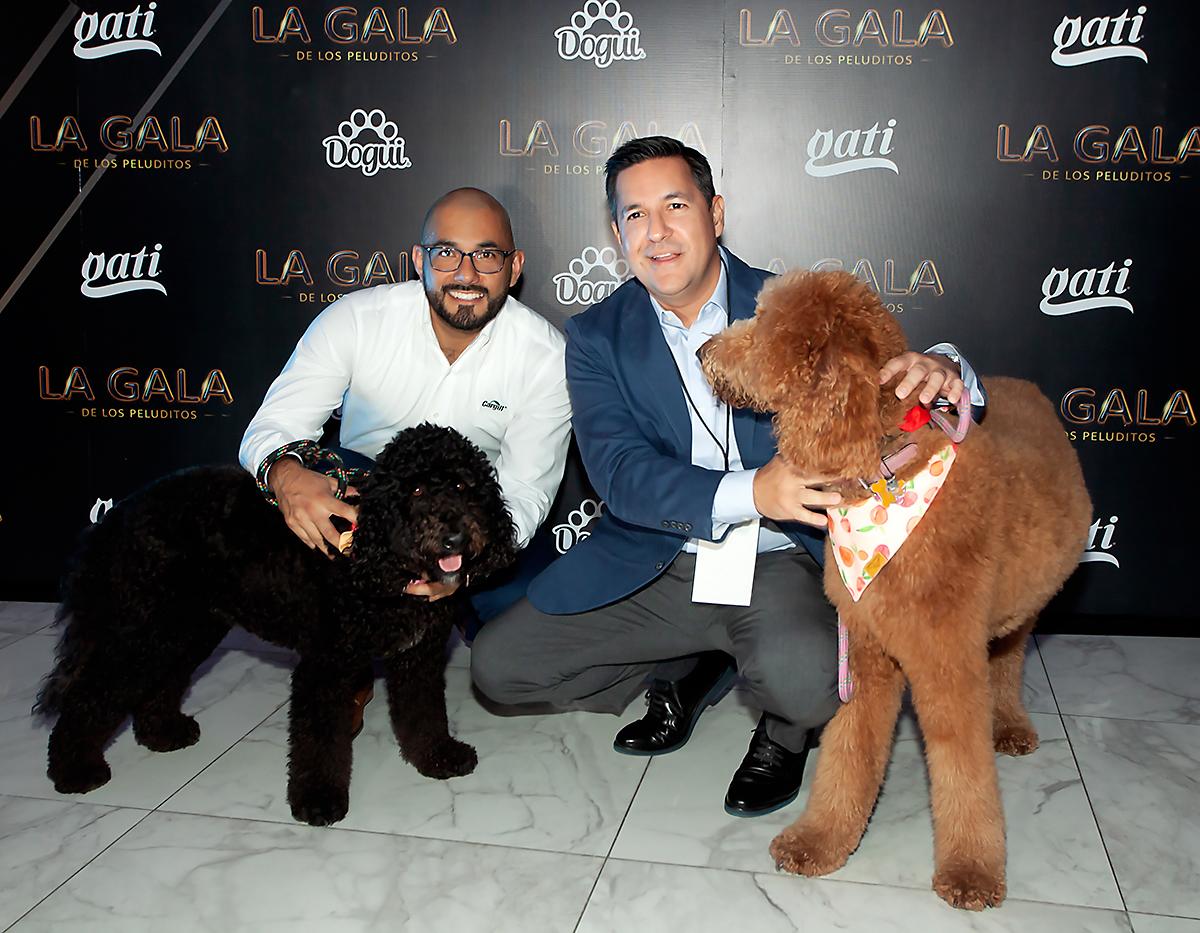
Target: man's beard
464 318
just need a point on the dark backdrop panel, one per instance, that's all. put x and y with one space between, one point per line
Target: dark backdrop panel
240 237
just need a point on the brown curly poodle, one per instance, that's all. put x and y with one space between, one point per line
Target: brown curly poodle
951 610
160 581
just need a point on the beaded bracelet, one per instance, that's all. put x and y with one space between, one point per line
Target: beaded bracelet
311 455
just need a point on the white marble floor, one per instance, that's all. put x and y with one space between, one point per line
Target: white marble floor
556 832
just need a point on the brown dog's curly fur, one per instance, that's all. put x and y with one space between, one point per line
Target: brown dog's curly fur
952 610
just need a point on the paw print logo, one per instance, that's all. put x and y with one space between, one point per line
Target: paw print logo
360 120
352 146
591 276
569 533
602 33
614 18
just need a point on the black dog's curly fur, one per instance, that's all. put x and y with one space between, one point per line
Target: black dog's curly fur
161 580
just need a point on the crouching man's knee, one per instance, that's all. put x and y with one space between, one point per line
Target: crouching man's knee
804 693
493 669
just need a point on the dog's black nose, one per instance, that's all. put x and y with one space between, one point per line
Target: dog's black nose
453 543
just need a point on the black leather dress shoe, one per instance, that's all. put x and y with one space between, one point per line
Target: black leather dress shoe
769 776
674 706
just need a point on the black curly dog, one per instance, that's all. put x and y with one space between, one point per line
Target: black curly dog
161 580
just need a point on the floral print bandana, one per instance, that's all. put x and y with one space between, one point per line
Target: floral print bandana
867 535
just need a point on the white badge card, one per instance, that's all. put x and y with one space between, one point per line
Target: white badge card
725 571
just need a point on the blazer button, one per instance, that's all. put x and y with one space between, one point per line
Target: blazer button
687 526
666 524
659 565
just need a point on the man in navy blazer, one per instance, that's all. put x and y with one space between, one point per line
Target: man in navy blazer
677 468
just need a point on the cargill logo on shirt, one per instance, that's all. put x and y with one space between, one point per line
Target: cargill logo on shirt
115 33
494 405
602 33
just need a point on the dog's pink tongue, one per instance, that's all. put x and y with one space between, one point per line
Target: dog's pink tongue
450 564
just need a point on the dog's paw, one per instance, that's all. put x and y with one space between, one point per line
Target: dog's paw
447 759
79 777
320 805
167 735
969 888
1016 741
803 851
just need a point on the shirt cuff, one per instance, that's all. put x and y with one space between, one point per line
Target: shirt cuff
734 501
970 380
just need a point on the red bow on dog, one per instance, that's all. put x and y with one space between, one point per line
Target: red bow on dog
917 417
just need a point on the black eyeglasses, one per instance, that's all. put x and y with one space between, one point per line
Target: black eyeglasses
487 261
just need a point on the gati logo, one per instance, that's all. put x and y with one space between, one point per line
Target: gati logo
1066 292
1124 416
1099 39
900 291
591 141
380 35
861 39
1100 543
591 277
99 36
106 275
153 396
1119 154
382 146
336 273
601 33
577 526
99 509
125 143
850 151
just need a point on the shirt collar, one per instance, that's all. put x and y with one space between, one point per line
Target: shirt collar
714 314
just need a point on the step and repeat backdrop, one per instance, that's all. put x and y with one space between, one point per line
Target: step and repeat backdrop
189 182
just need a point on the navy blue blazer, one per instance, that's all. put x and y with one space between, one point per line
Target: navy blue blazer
634 432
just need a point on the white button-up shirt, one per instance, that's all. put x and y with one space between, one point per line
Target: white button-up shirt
374 353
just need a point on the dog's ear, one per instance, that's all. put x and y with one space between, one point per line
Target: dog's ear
381 505
834 429
501 532
730 364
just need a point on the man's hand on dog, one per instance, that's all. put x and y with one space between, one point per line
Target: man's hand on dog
306 500
785 495
434 591
934 375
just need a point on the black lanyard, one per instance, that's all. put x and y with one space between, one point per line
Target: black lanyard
724 448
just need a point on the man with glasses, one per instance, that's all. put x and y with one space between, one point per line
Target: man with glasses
455 349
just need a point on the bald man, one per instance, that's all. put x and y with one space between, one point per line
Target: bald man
455 349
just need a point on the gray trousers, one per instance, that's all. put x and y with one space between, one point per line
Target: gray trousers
784 643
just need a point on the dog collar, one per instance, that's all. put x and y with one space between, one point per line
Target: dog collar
866 535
